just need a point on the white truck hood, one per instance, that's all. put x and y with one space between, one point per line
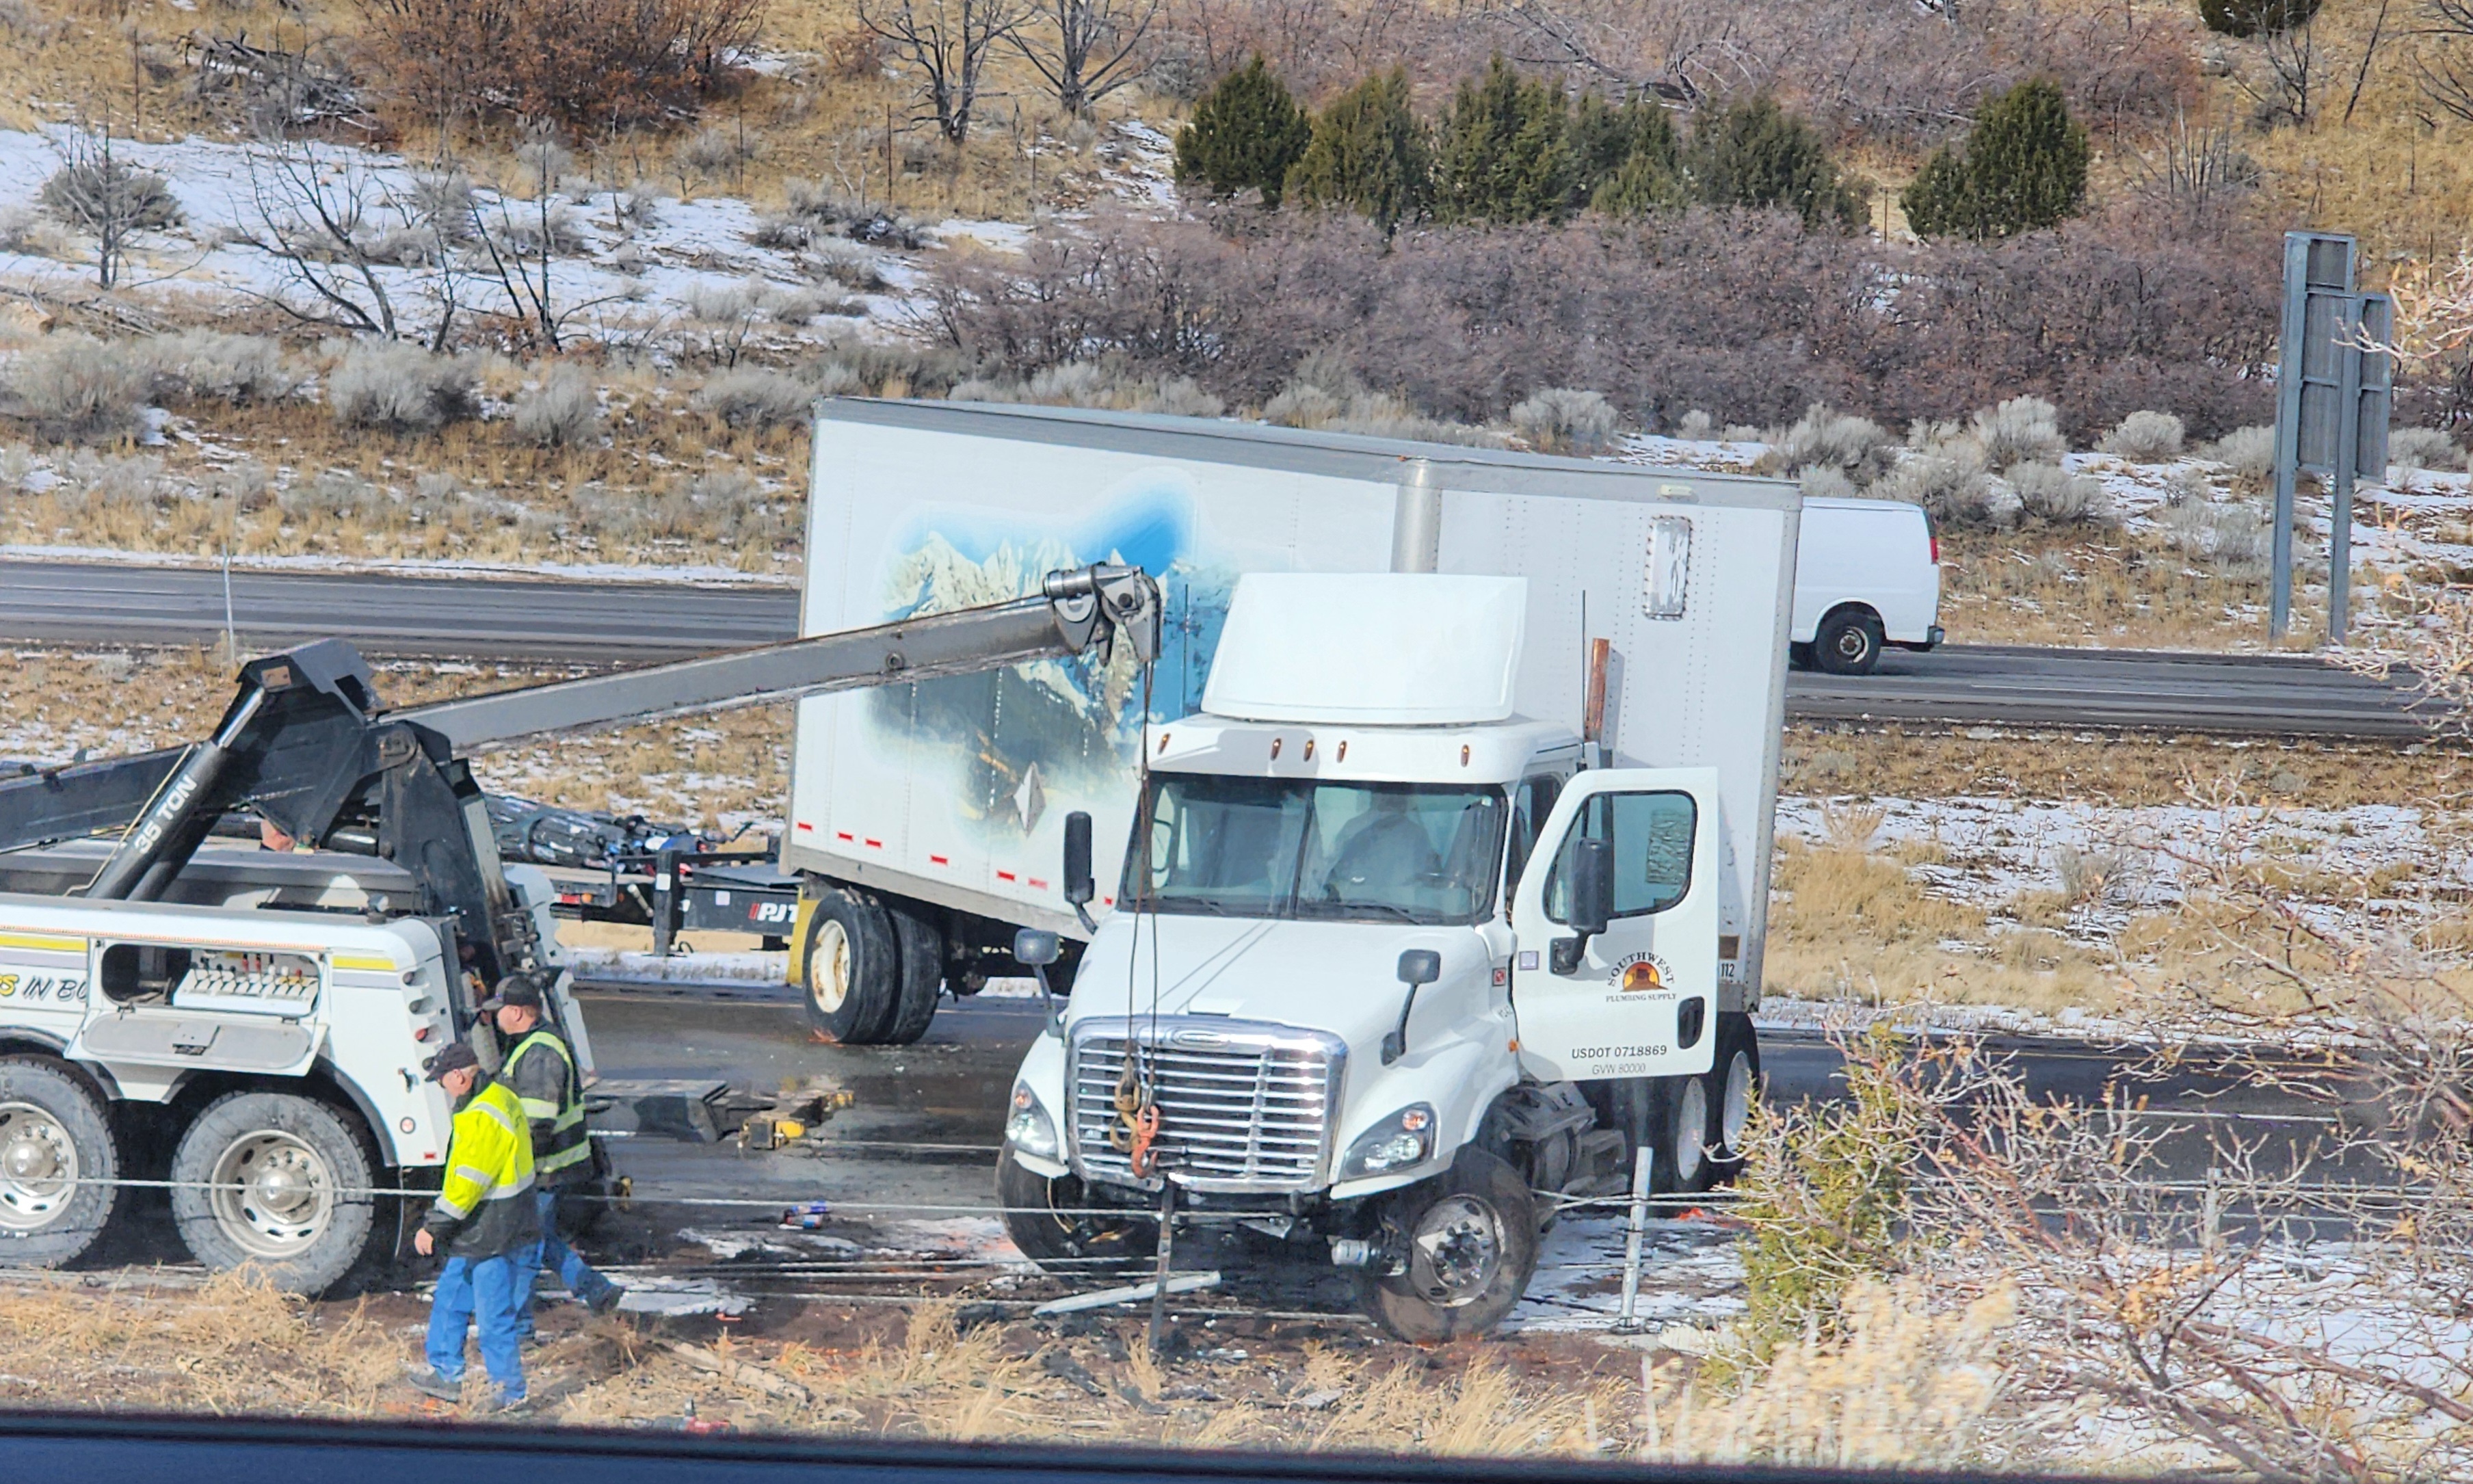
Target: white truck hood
1341 977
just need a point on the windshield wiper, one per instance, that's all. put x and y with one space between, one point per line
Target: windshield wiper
1382 909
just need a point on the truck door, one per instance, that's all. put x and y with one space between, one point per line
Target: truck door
1638 999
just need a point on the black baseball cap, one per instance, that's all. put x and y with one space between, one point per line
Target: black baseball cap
454 1056
521 990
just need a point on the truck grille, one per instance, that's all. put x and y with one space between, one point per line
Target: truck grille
1244 1106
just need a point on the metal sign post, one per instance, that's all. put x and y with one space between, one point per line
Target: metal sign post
2332 397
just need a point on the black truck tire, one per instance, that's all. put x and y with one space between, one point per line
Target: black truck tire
1735 1086
1683 1165
1470 1239
920 944
850 969
277 1183
1049 1219
1847 642
57 1160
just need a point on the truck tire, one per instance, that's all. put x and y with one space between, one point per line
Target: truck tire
849 967
57 1160
1470 1239
919 945
1736 1083
275 1183
1847 642
1049 1220
1683 1126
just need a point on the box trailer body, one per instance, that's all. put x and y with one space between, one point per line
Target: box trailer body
948 797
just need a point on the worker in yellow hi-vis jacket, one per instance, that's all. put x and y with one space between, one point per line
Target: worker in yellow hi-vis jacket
485 1218
540 1070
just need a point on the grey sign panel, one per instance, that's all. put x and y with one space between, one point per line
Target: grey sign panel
2378 388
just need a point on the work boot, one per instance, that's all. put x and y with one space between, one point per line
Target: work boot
605 1299
429 1384
506 1406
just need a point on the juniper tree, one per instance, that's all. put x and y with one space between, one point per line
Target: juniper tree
2023 166
1247 133
1368 154
1755 153
1626 155
1504 154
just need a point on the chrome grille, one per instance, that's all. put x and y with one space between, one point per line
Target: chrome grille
1244 1106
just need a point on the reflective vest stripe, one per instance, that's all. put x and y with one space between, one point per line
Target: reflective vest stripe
488 1155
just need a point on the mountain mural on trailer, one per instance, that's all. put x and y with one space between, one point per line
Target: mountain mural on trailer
1019 736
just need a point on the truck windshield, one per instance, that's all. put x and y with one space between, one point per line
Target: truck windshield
1295 847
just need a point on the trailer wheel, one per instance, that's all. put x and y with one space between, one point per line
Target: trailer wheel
1736 1082
1049 1220
56 1161
277 1182
849 967
920 944
1471 1244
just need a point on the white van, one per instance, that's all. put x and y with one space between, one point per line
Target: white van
1867 574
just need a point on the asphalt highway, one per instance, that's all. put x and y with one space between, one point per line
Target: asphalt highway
593 622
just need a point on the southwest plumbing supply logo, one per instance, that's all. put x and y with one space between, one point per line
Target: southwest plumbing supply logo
1640 973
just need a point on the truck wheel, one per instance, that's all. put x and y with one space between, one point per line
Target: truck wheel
1049 1220
278 1182
850 966
1471 1240
1683 1164
1848 642
919 945
57 1160
1737 1077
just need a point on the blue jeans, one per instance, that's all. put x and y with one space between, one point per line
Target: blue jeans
571 1268
485 1289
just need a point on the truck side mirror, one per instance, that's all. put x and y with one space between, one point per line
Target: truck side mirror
1417 967
1592 901
1034 947
1079 888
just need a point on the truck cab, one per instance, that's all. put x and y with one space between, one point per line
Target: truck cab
1386 958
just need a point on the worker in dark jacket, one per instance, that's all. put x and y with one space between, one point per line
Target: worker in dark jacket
486 1221
540 1070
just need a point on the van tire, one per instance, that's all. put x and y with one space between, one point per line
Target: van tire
1488 1217
1733 1091
53 1131
850 969
920 944
1077 1246
307 1214
1848 642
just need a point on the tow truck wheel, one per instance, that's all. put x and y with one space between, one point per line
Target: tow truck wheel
1049 1221
56 1161
1469 1240
920 946
850 966
1735 1081
277 1182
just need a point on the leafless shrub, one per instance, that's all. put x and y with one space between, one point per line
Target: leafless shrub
2053 494
2233 534
73 388
1695 426
2146 437
752 397
1181 397
2249 452
2423 448
102 195
1857 447
715 153
2019 429
1564 420
211 365
1820 482
337 494
589 65
1946 474
2084 874
562 412
399 388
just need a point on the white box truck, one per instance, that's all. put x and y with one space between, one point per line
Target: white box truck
1431 857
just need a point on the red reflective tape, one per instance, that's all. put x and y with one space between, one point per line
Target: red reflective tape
876 844
1037 885
809 828
1107 901
938 860
1006 875
844 834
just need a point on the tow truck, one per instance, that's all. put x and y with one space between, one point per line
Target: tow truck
250 1022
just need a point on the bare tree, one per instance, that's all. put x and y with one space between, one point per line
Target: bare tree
97 193
320 221
1085 49
2445 60
947 43
520 242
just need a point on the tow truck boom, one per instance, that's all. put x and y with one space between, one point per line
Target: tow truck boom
306 745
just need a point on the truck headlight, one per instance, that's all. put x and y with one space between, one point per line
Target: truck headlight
1027 1127
1402 1141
